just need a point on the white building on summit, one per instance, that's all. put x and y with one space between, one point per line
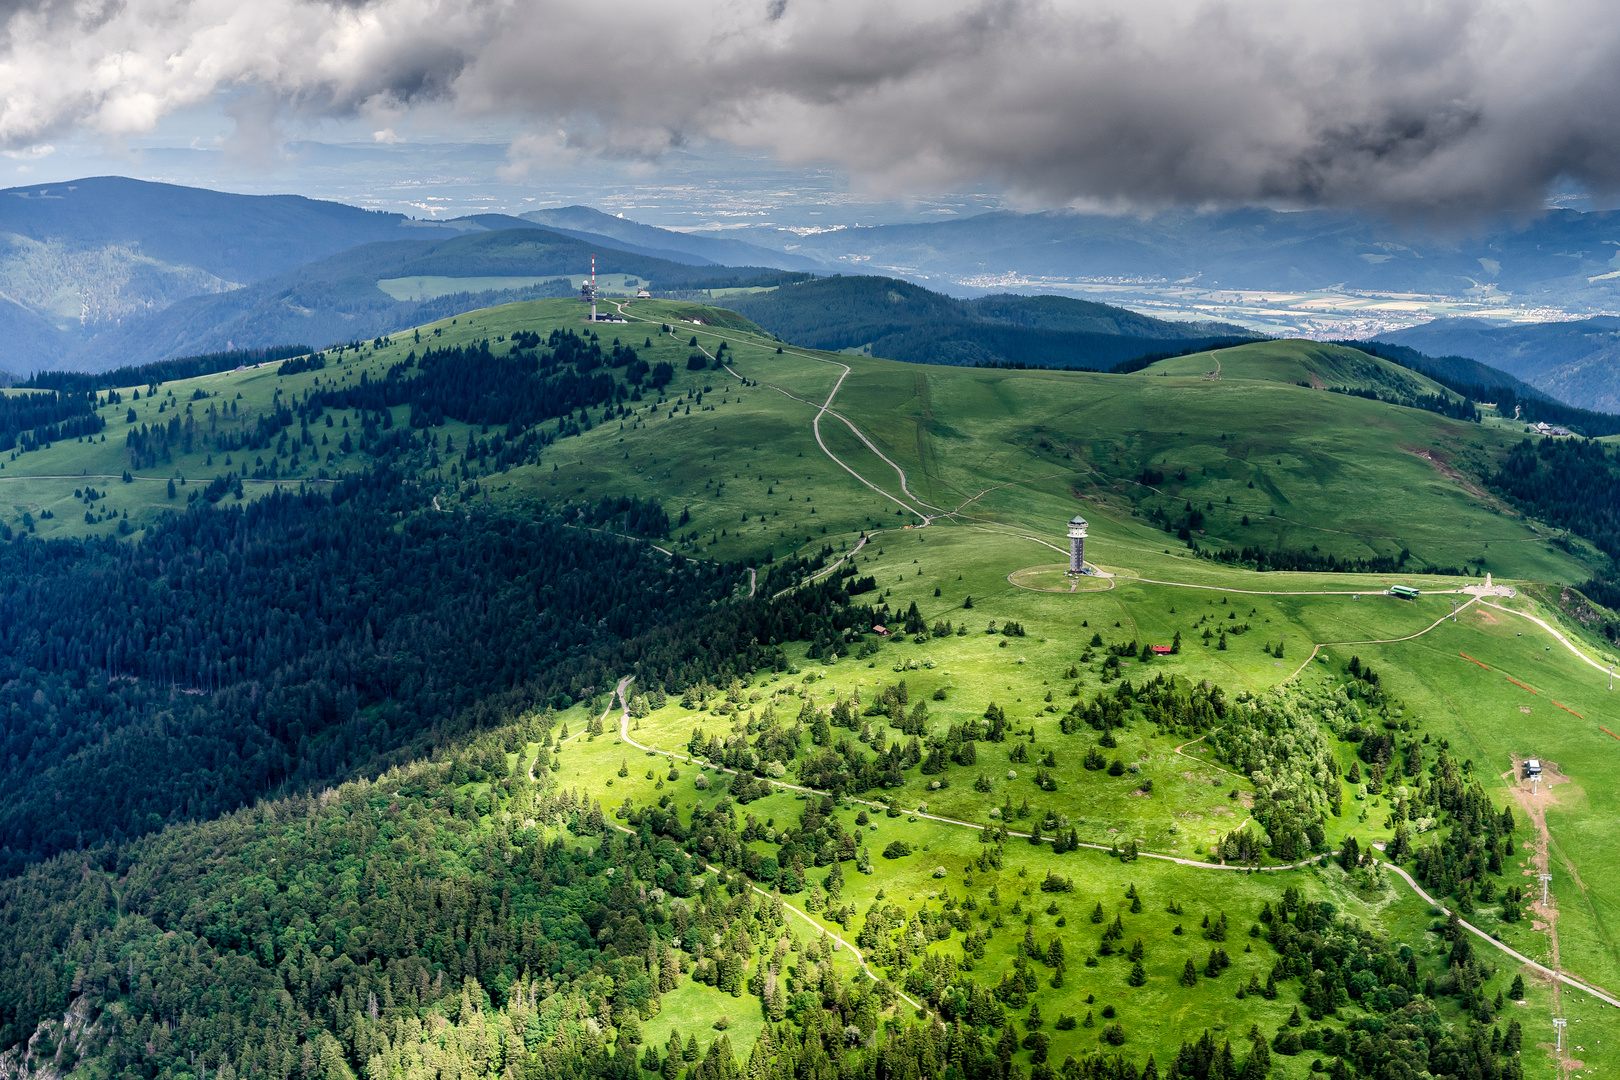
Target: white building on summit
1077 545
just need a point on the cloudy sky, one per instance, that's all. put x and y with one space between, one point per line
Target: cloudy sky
826 109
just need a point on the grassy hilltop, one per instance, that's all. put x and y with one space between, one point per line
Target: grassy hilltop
1301 708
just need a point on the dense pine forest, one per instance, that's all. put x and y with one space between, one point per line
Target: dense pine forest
31 420
514 389
414 927
1575 485
187 367
239 649
271 810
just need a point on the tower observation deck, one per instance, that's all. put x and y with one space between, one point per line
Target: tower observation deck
1077 545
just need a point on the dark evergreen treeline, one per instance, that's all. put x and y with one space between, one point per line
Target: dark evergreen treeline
186 367
29 421
300 364
1435 403
1573 484
1525 403
515 389
304 636
627 513
1254 557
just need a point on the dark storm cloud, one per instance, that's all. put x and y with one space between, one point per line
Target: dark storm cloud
1446 107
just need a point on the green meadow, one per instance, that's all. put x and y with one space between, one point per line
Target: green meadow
1266 456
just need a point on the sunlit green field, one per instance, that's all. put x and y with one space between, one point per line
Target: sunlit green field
995 462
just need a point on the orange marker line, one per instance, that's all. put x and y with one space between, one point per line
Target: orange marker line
1471 660
1569 710
1516 682
1606 731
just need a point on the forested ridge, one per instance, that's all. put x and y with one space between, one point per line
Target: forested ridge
424 925
520 387
186 367
903 321
32 420
461 918
296 638
1573 484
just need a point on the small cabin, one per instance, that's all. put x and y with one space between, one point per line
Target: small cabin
1532 768
880 631
1160 650
1404 592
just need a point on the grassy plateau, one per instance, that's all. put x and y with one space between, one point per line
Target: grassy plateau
951 488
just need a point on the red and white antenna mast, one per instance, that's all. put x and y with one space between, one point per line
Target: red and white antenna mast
587 291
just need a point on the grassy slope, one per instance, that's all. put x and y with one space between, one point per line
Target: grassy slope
1348 481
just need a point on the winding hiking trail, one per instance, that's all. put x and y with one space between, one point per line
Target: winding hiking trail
836 936
1561 639
815 423
1477 594
1380 641
1554 976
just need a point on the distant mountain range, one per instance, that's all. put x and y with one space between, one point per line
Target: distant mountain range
584 223
902 321
106 271
338 298
1575 362
1565 258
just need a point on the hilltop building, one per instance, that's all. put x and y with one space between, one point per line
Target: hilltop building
1077 545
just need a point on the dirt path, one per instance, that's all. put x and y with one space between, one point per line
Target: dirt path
836 936
1201 761
1562 640
1555 974
1535 803
1556 977
1380 641
815 424
1535 809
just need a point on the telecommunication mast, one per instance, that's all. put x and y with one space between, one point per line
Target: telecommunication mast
587 291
